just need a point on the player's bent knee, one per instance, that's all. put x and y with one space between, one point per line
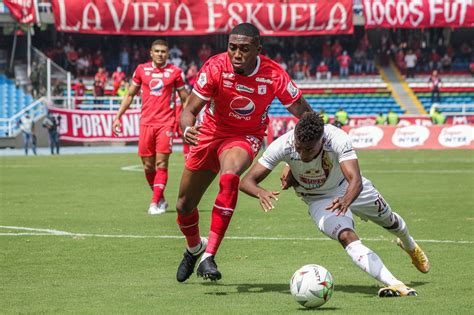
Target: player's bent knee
334 225
183 207
347 236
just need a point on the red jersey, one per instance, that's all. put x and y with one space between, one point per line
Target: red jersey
159 85
239 104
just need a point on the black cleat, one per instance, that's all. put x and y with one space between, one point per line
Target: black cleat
186 267
208 269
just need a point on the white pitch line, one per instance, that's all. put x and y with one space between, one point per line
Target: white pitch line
51 232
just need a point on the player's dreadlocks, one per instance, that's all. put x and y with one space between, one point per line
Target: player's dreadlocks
309 128
249 30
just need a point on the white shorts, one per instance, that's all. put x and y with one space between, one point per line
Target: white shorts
370 205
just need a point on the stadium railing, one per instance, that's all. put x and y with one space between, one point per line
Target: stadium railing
9 126
93 103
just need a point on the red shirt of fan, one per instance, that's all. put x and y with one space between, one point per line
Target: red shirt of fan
238 104
158 86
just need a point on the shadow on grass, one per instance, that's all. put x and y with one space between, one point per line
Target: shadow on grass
369 290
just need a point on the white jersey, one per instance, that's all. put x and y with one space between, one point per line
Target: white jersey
321 176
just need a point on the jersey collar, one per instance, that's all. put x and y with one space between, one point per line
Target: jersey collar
257 67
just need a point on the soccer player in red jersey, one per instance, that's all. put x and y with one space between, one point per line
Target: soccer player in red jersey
158 81
238 88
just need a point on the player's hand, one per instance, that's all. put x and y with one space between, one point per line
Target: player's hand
287 179
339 206
117 127
265 197
191 136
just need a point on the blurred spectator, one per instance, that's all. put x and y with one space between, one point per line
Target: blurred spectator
298 73
341 118
400 60
72 56
446 63
58 88
435 83
344 62
410 62
35 77
305 68
466 51
370 60
204 53
123 89
326 52
176 56
191 73
437 117
98 59
392 118
380 119
324 116
323 71
434 60
27 127
83 65
471 68
117 77
136 60
125 60
52 123
359 59
98 90
79 91
101 76
336 49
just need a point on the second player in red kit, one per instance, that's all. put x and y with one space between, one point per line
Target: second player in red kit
238 88
159 82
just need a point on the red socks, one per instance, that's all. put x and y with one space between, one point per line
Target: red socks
159 184
223 210
150 178
189 226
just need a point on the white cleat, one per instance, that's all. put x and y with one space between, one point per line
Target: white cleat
154 209
162 205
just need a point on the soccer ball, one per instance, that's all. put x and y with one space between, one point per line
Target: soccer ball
312 286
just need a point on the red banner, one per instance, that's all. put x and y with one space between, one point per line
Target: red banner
96 125
418 13
22 10
171 17
414 132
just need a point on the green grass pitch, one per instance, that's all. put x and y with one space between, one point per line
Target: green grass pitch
135 273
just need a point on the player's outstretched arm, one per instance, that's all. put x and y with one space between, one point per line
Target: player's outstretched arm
299 107
191 109
351 171
126 101
249 185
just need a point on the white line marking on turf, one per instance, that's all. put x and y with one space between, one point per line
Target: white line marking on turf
52 232
132 168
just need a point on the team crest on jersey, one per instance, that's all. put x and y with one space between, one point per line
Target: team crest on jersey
242 106
202 79
227 75
243 88
156 85
263 80
262 89
291 88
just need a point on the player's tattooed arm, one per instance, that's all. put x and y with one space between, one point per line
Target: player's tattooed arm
299 107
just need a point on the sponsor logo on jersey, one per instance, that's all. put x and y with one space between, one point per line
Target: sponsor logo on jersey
227 75
263 80
147 72
291 88
228 84
242 106
157 75
243 88
202 79
156 85
147 68
169 70
262 89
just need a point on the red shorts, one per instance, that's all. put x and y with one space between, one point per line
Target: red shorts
155 139
205 156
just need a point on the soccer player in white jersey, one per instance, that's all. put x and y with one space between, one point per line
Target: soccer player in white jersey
325 173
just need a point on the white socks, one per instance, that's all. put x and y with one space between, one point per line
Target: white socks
199 247
369 262
402 232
